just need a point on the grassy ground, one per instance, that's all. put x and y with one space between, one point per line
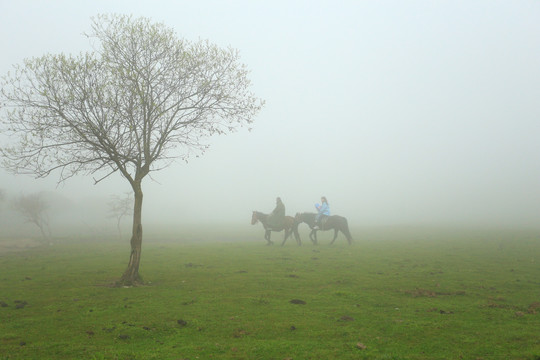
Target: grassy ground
402 294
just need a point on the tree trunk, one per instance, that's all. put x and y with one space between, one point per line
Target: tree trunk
42 230
118 227
131 276
40 223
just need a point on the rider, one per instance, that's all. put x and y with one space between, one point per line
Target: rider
277 216
323 212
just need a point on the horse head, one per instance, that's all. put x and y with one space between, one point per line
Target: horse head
254 218
304 216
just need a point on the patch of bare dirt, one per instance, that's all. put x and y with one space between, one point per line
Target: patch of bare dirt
8 246
534 307
428 293
298 302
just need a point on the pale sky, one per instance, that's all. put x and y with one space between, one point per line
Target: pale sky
399 112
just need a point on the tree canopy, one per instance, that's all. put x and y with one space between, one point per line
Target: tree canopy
123 107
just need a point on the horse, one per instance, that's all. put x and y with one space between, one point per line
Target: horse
288 226
335 222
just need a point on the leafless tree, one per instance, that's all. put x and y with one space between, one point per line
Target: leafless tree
141 99
119 207
33 209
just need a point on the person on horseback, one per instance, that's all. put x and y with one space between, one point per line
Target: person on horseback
277 216
323 211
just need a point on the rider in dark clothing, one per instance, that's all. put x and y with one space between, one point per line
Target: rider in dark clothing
277 217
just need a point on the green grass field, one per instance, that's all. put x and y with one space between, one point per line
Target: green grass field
398 293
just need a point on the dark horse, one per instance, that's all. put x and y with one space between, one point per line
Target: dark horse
335 222
288 226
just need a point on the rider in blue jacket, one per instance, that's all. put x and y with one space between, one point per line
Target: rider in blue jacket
323 211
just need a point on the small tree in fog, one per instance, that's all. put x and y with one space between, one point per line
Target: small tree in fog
33 209
120 207
125 107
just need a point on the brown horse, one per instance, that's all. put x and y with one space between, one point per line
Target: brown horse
288 226
334 222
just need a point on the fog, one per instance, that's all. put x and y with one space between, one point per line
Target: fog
417 112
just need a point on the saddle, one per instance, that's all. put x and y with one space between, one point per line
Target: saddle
322 221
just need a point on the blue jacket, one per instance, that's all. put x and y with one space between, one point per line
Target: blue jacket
324 209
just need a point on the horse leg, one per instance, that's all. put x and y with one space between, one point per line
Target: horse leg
267 235
313 236
286 236
296 236
335 236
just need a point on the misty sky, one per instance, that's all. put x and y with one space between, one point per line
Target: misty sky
416 112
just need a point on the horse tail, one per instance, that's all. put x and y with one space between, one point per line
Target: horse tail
346 231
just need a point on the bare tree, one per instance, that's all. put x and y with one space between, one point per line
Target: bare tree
33 209
119 207
125 107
